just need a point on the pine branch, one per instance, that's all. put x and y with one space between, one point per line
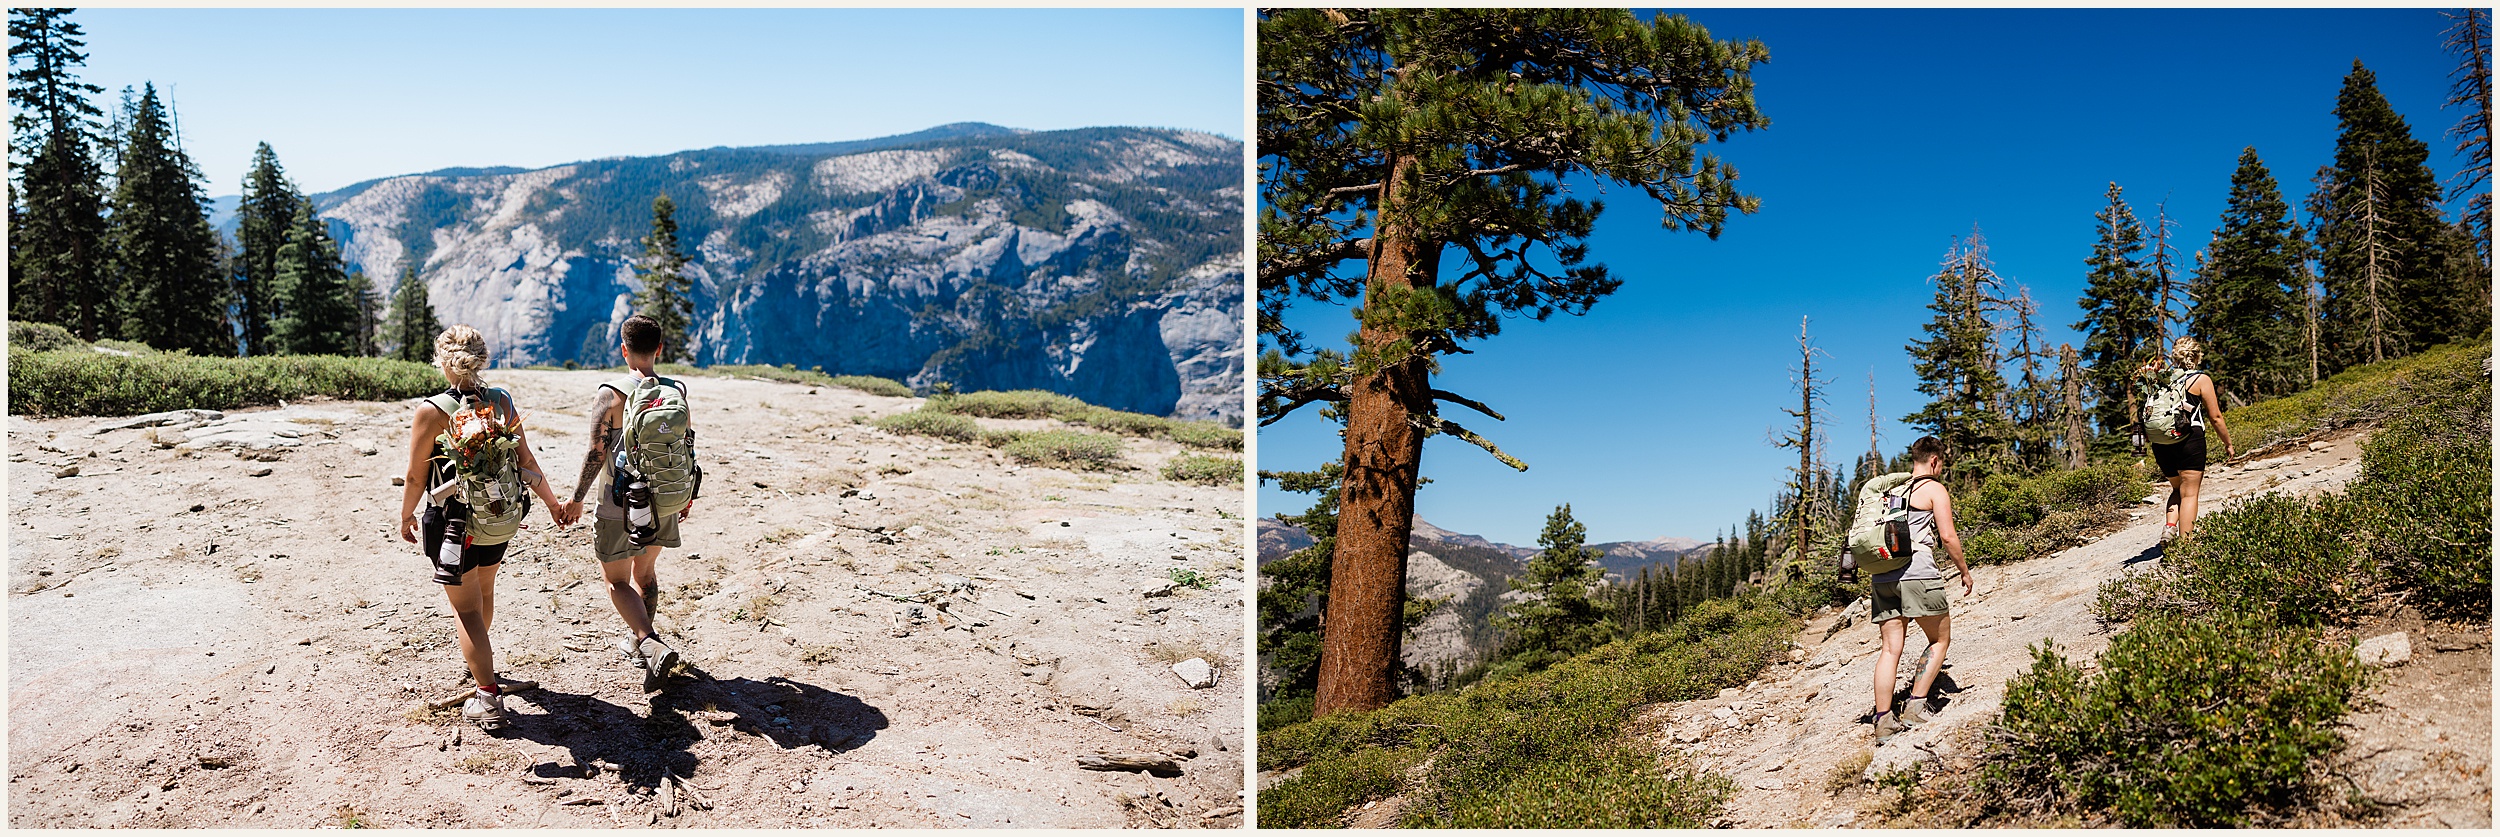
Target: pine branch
1451 428
1443 395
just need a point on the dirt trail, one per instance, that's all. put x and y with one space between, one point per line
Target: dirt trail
192 645
1796 745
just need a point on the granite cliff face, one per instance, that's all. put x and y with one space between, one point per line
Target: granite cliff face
1102 263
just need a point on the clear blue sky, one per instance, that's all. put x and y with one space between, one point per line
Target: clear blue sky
1891 133
349 95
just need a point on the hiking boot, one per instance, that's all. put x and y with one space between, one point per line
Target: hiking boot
657 658
1886 725
2169 532
625 645
484 709
1915 711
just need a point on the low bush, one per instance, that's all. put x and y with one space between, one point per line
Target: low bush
1210 470
2189 722
2011 518
2356 396
2422 505
1064 449
1034 403
42 337
85 383
1486 740
2286 558
924 423
791 374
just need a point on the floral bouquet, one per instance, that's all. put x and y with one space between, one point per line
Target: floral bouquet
478 437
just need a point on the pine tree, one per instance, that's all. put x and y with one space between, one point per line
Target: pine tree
2389 289
263 220
413 326
667 294
1293 592
1559 618
2034 397
1393 135
316 313
368 313
58 257
2077 439
1958 365
165 258
2469 38
2247 311
2121 320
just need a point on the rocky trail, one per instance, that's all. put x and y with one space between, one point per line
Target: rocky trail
1796 743
218 625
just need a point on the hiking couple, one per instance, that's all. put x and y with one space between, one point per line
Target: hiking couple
1905 517
469 459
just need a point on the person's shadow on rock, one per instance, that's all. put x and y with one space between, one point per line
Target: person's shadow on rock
647 749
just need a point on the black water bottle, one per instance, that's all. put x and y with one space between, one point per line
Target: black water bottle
454 544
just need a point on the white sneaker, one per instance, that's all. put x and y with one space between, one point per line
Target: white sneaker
2169 532
484 709
625 645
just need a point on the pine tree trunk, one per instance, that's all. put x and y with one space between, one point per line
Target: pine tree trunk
1376 504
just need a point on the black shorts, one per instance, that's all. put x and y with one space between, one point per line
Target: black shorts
430 525
2187 454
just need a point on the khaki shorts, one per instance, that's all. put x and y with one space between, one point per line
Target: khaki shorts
1911 598
609 542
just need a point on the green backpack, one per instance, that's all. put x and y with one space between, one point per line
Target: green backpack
1880 540
2169 411
480 451
657 445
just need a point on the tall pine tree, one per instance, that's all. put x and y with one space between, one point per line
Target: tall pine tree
2120 313
667 295
59 262
2248 310
368 313
2381 250
316 312
263 221
165 258
1394 136
1560 617
413 327
1958 365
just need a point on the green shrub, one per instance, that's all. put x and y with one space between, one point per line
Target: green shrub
2005 501
2282 557
2188 722
872 385
1318 798
1484 738
1065 449
42 337
925 423
1211 470
83 383
2423 505
1022 403
2360 395
1034 403
1614 786
1994 546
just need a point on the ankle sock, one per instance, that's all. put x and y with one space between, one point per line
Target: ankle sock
490 690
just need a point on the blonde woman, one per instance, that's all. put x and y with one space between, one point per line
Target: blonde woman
469 514
2183 461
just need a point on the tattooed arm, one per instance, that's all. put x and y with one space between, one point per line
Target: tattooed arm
603 436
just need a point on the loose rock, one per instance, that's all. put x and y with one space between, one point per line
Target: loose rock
67 471
2390 650
2319 446
1196 672
261 471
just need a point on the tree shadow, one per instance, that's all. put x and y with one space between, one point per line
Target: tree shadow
647 748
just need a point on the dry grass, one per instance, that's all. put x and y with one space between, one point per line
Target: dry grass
485 763
1849 772
816 654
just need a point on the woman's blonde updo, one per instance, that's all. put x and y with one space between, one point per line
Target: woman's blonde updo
461 353
2187 353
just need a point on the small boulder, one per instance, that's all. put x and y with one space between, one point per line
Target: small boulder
261 471
1195 672
2319 447
2384 651
66 471
364 447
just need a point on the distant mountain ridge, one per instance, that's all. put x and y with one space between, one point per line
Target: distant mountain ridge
1102 263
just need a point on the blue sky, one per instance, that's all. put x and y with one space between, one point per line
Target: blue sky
1891 133
349 95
